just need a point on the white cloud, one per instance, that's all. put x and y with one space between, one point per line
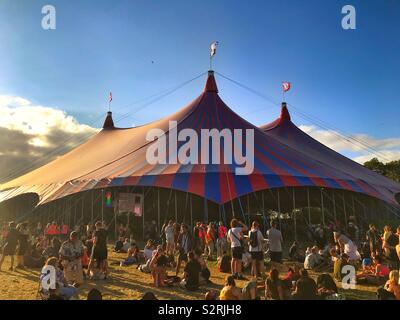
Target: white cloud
385 150
33 134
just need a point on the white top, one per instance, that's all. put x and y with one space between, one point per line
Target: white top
148 253
260 240
275 240
169 232
234 234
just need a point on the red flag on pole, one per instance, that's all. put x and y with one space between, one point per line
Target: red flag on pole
110 97
286 86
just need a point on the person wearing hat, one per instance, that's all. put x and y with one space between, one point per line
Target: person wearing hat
10 245
71 252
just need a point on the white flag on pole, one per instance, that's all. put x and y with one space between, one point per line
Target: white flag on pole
213 48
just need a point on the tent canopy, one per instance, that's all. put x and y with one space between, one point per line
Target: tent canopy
117 157
284 130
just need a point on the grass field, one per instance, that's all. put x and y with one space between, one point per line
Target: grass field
127 283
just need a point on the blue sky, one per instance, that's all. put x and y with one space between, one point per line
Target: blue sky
348 78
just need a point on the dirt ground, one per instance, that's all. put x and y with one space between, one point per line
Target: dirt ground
128 283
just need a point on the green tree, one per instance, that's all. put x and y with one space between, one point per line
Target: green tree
389 169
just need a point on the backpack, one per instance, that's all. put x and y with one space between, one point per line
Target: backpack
254 238
224 264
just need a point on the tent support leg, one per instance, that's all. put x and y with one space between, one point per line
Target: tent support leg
279 209
158 209
344 210
176 207
322 207
92 212
191 213
143 210
334 206
294 214
308 205
102 204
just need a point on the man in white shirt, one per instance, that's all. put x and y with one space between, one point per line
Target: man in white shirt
256 250
235 238
275 241
313 259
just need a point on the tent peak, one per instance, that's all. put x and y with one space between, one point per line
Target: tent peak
108 122
285 115
211 85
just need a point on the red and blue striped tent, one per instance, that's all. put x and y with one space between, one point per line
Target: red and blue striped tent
117 157
286 132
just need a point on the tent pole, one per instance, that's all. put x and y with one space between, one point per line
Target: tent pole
263 201
205 211
279 208
143 195
115 218
294 214
92 213
344 210
308 205
322 207
176 208
83 204
102 204
191 213
334 206
158 209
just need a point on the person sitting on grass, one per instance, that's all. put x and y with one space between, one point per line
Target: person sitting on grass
149 296
191 273
273 286
119 244
158 266
65 290
148 250
295 254
230 291
376 274
306 288
313 260
205 273
289 282
94 294
249 291
211 295
132 257
393 285
339 263
326 286
95 272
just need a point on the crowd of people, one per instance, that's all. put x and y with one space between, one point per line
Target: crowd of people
178 256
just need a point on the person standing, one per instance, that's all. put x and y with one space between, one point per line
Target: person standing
23 236
99 250
169 232
275 243
221 240
235 238
71 253
184 245
10 245
256 250
374 240
64 231
210 241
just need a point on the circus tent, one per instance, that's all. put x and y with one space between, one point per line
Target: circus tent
116 158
